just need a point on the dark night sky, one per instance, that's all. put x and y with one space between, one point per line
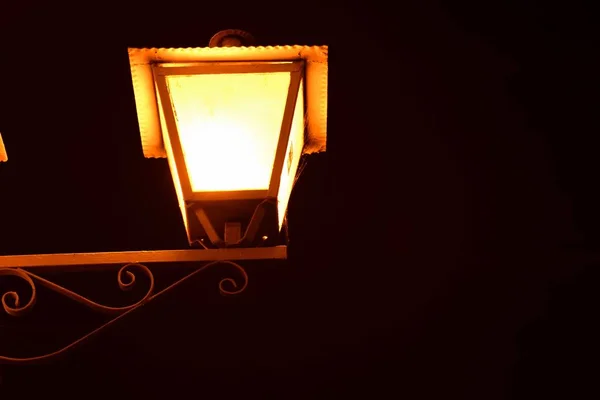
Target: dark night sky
446 244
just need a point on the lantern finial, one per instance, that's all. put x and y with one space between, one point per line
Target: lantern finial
231 38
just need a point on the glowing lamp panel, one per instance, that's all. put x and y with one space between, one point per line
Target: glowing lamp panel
292 157
3 155
229 126
172 163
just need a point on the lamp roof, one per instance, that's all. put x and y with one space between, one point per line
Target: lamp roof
142 59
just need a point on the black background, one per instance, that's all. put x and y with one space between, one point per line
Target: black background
445 245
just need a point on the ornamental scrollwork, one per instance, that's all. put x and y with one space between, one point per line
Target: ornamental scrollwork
15 306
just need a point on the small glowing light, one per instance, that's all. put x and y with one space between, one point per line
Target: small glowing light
3 156
265 238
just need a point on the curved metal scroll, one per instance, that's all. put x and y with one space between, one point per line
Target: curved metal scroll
16 309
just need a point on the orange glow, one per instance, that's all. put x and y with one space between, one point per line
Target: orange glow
173 166
3 155
292 157
229 126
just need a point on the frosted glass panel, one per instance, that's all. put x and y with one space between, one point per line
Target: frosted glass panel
229 126
3 155
172 163
292 158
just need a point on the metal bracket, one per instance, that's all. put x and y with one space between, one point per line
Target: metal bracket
233 232
230 228
19 266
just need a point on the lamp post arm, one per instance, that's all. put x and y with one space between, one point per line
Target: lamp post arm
89 260
20 266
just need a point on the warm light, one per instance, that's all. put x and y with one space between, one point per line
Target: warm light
172 164
234 124
292 157
229 127
3 155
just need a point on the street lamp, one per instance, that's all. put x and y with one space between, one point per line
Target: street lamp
233 121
